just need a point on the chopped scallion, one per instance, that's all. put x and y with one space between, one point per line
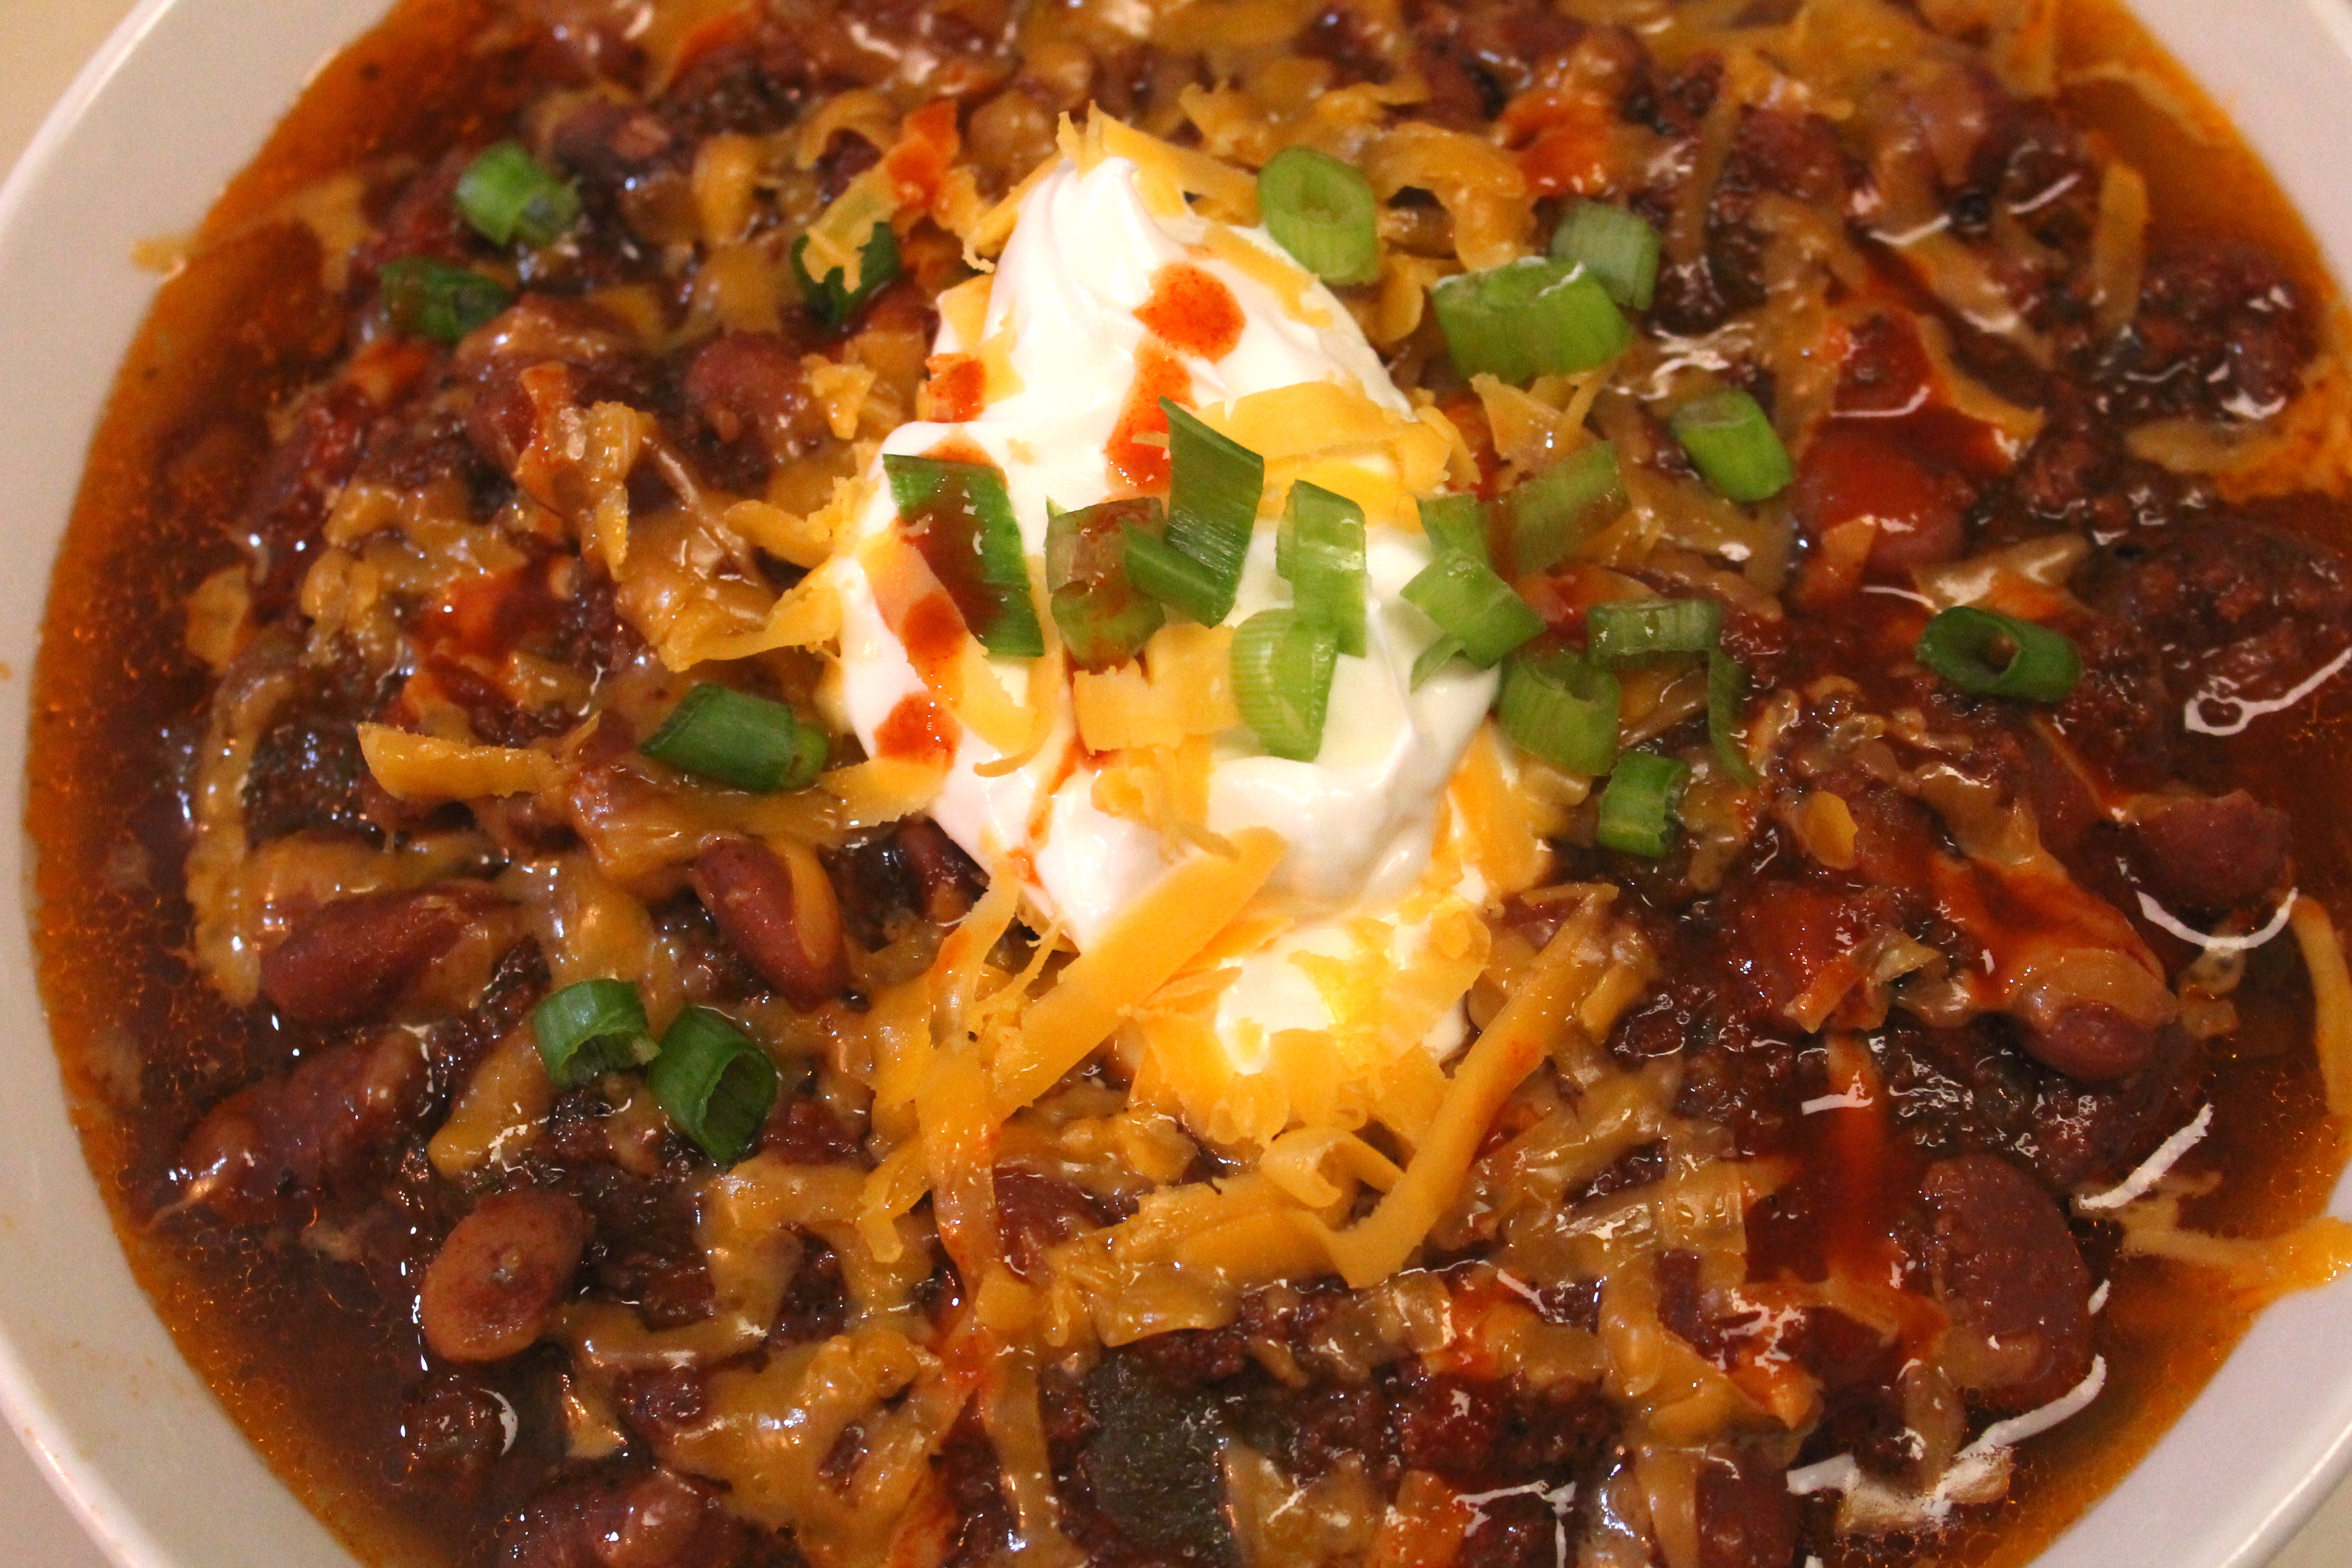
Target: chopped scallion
1213 494
1434 658
591 1029
830 299
1733 445
1556 706
1283 662
434 299
1457 524
1638 628
1477 609
959 517
1987 654
1619 250
507 194
715 1083
1320 551
1529 318
736 739
1323 213
1637 809
1104 619
1555 511
1727 688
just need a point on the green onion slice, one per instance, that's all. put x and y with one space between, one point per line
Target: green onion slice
433 299
832 298
1433 657
1637 809
1104 619
1987 654
1321 551
736 739
959 517
1734 447
1529 318
1323 213
1640 628
1282 661
1457 524
591 1029
715 1083
1560 708
1557 510
1213 491
1475 608
1727 688
1617 249
507 194
1174 578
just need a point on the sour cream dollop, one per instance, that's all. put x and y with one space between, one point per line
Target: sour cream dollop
1084 255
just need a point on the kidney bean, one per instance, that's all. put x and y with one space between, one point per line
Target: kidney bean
488 1291
1746 1517
308 1129
354 956
2006 1268
2213 854
785 921
2092 1041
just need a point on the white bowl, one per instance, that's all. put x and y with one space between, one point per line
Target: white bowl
177 101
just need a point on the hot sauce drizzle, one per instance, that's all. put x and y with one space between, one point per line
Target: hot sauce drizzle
1192 310
1137 452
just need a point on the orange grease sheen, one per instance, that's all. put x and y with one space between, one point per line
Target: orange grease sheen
917 731
1137 451
1193 312
956 391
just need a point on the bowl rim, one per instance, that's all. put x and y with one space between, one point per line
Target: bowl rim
2259 1519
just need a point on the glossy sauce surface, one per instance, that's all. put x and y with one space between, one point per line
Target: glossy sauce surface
248 322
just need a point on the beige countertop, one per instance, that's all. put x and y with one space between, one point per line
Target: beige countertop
42 44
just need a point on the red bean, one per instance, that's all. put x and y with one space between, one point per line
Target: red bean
751 384
2213 854
2006 1268
783 919
307 1130
355 956
2092 1041
1850 471
506 1267
1746 1517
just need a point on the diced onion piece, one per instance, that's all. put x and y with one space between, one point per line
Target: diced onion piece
736 739
1552 513
1475 608
1457 524
1282 663
1638 628
1616 248
1557 707
1214 488
1323 213
1727 688
1637 809
507 194
994 594
591 1029
1321 551
434 299
715 1083
1733 445
1987 654
1529 318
